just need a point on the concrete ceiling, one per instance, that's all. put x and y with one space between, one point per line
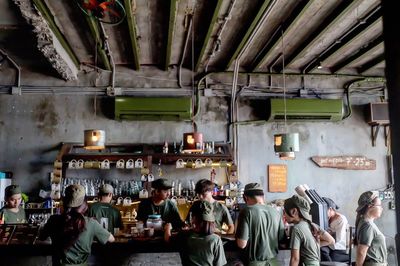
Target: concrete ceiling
57 39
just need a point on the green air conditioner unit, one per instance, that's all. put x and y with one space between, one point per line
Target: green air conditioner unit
305 109
153 109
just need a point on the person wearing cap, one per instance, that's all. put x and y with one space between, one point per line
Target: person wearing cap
371 245
260 228
71 232
199 245
12 213
204 189
104 212
159 203
337 228
306 237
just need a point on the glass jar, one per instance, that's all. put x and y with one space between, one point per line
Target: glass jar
154 221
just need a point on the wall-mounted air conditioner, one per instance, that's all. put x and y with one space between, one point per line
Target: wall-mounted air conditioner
305 109
153 109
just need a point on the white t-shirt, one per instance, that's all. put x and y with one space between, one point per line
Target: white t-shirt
338 227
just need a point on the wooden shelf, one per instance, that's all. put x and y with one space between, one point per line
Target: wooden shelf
149 153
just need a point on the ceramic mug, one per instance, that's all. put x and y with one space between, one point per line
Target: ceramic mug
139 163
130 164
189 163
143 194
96 164
80 164
144 171
150 177
105 164
223 163
208 162
88 164
127 201
120 164
120 200
180 163
58 164
198 163
72 164
143 178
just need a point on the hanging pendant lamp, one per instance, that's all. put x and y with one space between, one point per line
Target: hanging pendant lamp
285 145
94 139
192 142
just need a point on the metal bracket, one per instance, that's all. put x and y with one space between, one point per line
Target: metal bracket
374 133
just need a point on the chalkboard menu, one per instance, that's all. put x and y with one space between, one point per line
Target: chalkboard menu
277 178
17 234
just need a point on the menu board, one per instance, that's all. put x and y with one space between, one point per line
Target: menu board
24 234
17 234
6 231
277 178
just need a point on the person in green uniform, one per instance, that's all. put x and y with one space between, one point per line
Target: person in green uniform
104 212
159 203
306 237
12 213
72 233
199 246
260 228
204 190
371 245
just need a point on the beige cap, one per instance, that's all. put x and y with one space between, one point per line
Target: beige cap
106 189
74 196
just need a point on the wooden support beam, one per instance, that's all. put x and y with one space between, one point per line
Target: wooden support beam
209 32
370 64
249 31
131 20
171 28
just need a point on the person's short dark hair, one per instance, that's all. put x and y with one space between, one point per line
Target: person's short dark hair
203 186
330 203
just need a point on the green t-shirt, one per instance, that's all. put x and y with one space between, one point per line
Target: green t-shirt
168 210
369 234
79 252
106 214
200 250
303 240
262 227
221 214
13 217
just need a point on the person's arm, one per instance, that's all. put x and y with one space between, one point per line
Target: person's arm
361 254
241 243
111 238
242 233
326 239
167 232
231 229
294 257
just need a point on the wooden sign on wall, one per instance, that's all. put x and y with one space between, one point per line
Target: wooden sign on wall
277 178
345 162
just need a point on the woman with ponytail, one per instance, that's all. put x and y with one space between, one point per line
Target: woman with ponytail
306 237
72 233
371 246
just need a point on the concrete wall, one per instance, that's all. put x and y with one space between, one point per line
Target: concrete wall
32 126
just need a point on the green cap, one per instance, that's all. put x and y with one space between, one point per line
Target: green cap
205 209
253 189
302 204
106 189
74 196
161 183
12 190
366 198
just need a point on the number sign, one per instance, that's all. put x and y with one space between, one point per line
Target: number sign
345 162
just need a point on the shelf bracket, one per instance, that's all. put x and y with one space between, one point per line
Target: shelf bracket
374 133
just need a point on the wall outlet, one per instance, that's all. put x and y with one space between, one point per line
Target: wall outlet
386 195
392 205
